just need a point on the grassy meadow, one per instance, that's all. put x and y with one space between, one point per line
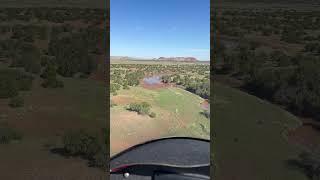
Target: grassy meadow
178 112
250 137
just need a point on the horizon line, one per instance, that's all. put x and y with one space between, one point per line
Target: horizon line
151 58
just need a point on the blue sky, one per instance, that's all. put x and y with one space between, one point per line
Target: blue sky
154 28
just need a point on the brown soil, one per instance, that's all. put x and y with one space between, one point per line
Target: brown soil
205 105
122 99
98 76
306 135
128 129
241 169
46 114
30 161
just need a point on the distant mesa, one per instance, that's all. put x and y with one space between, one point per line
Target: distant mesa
180 59
177 59
120 58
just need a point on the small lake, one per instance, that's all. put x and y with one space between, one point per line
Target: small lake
153 80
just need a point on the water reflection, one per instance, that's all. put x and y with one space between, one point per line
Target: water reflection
153 80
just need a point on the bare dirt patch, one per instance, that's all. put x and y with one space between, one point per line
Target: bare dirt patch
30 161
241 169
128 129
98 76
46 112
306 135
205 105
122 99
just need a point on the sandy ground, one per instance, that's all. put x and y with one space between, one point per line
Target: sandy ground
129 128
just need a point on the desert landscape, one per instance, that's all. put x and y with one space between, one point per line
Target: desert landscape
156 99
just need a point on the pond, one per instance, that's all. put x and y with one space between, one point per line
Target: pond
153 80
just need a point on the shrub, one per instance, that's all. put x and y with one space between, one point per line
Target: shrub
99 159
142 108
84 75
52 83
7 135
16 101
206 113
126 87
81 143
8 89
13 81
152 115
89 146
112 104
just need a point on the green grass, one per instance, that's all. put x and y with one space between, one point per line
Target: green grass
187 106
262 149
181 105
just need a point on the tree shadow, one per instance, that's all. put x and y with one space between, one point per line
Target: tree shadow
306 163
205 114
60 151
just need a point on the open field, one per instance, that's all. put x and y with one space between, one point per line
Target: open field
46 115
50 112
178 112
51 92
251 137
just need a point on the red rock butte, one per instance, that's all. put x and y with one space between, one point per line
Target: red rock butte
182 59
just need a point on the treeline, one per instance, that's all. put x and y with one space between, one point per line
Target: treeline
71 55
65 48
201 69
199 86
126 75
55 15
124 79
290 25
290 80
13 81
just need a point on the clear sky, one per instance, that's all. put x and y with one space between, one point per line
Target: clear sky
154 28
